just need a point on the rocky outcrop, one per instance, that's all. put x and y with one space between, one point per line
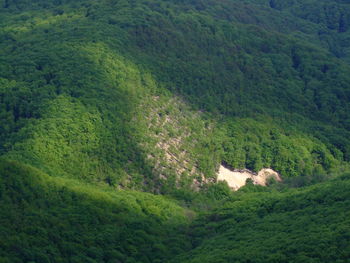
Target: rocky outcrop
237 178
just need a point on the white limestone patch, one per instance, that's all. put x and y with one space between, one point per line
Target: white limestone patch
237 178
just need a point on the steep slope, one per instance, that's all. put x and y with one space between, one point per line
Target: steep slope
100 100
100 134
77 78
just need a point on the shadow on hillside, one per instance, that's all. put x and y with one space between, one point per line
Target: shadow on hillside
85 99
46 219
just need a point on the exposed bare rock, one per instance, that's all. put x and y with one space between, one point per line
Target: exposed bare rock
237 178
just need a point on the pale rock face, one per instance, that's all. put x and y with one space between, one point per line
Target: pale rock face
264 174
237 178
234 179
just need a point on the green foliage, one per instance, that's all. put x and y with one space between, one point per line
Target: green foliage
282 103
47 219
51 219
254 145
310 224
152 95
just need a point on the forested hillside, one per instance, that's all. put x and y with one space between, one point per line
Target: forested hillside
308 225
103 101
49 219
269 99
55 220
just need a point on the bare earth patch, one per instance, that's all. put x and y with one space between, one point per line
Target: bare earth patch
237 178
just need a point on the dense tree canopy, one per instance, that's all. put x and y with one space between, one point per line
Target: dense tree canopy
100 100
